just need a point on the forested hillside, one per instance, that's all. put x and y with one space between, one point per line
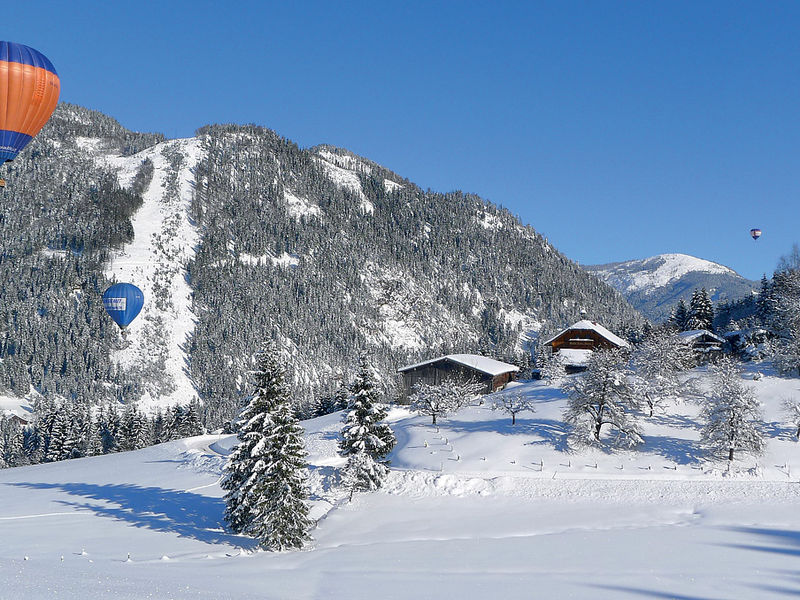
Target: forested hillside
334 255
327 253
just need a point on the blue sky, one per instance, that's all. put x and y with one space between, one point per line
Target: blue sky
617 129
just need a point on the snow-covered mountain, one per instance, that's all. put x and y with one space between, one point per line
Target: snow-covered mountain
472 507
237 234
655 285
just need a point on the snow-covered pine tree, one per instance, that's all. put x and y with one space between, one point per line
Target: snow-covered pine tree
784 313
246 461
763 301
364 429
658 362
189 424
10 443
680 317
731 414
603 396
701 311
109 429
365 439
265 473
362 473
280 514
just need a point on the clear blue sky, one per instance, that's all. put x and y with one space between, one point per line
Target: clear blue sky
617 129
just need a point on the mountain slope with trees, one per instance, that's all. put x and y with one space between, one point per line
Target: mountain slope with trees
326 253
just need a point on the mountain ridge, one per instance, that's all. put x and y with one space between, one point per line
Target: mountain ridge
656 284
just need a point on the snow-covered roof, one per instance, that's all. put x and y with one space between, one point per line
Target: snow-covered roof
574 356
596 327
693 334
480 363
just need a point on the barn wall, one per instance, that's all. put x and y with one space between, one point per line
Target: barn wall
436 373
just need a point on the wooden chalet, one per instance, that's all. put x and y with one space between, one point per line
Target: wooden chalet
585 335
576 344
702 341
493 374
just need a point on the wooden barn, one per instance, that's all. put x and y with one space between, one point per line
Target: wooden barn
493 374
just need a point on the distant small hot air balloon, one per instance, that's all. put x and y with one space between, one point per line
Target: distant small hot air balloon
29 89
123 301
756 233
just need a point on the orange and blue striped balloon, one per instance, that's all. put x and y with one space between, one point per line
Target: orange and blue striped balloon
29 88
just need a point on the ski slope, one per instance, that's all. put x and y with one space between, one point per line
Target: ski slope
164 242
474 508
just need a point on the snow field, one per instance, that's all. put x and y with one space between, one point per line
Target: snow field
516 516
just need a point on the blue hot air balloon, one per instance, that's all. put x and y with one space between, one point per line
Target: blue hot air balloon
123 301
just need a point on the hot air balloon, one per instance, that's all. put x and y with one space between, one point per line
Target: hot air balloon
29 88
123 301
756 233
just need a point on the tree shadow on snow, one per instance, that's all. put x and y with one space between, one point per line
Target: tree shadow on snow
171 511
678 450
552 433
678 421
645 593
785 542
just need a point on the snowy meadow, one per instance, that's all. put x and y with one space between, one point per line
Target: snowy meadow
472 506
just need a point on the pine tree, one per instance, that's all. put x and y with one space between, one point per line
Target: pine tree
365 439
280 514
680 318
603 396
189 424
732 418
763 301
265 473
363 429
701 311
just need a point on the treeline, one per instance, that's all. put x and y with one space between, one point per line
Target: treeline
65 430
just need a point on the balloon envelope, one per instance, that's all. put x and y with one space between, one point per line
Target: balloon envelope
756 233
29 89
123 301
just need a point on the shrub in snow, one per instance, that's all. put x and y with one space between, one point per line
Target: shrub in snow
553 369
731 414
515 403
791 406
602 398
658 362
443 399
266 471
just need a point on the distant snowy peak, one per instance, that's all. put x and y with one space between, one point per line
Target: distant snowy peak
657 271
655 285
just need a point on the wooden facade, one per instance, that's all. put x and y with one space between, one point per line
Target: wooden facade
580 339
702 341
445 368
